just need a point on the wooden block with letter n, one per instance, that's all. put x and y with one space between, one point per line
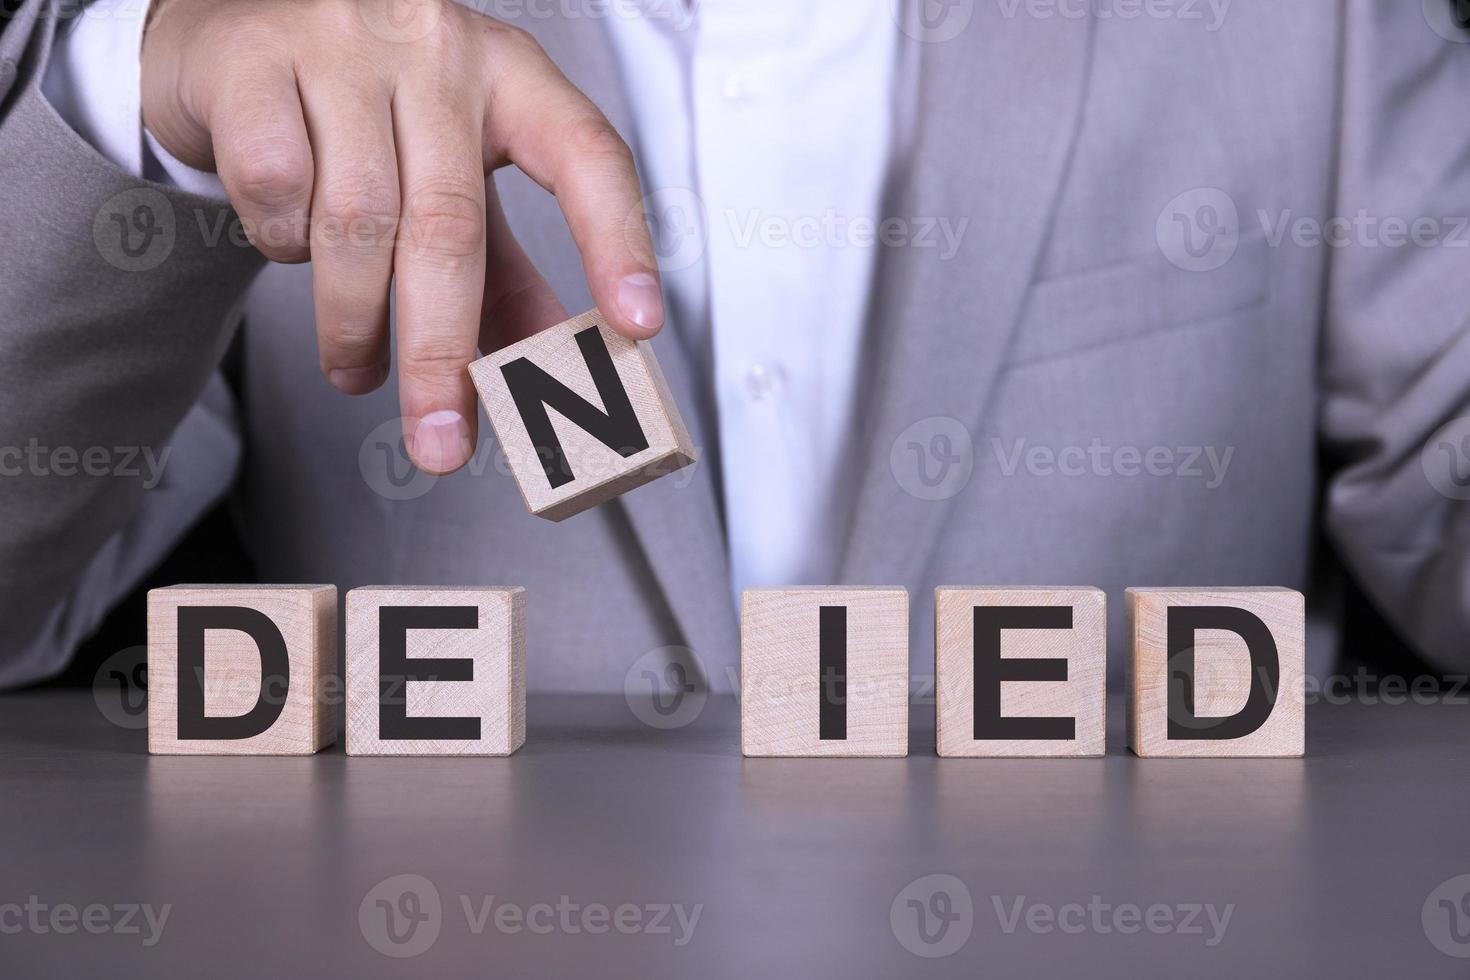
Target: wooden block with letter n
1217 672
824 672
241 669
583 414
436 671
1020 672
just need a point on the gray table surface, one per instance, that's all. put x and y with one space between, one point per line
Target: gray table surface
1331 866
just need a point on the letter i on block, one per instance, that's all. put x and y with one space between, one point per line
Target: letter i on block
583 414
436 671
241 669
824 672
1020 672
1217 672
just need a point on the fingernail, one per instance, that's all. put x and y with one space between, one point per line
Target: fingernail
358 381
639 300
441 442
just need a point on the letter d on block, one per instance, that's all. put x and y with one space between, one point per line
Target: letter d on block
241 669
1217 672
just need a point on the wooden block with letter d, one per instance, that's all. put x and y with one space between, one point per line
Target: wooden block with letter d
241 669
436 671
824 672
1217 672
1020 672
583 414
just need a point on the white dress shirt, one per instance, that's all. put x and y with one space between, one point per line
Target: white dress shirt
764 133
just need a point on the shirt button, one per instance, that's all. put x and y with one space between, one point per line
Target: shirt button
765 381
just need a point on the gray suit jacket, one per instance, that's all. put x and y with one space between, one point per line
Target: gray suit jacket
1035 408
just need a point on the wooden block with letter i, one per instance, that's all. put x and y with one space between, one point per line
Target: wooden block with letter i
583 414
241 669
1020 672
824 672
1217 672
435 671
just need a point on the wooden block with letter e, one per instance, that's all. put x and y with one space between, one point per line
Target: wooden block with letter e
241 669
583 414
824 672
436 671
1020 672
1217 672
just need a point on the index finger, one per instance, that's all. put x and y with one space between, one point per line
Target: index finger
536 119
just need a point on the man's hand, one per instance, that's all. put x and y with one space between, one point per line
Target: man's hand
361 141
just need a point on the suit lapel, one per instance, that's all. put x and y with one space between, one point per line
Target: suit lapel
676 520
996 112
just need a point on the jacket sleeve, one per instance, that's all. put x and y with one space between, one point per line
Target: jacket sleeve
1396 354
118 298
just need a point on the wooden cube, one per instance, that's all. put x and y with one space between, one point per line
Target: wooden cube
1020 672
1217 672
583 414
242 669
436 671
824 672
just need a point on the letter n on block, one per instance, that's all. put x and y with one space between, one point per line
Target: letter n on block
436 671
1217 672
824 672
583 415
241 669
1020 672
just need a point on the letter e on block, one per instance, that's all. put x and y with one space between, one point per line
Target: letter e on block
583 415
824 672
241 669
1020 672
436 671
1217 672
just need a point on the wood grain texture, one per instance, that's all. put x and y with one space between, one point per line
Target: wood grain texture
1222 673
1082 696
601 473
496 695
780 686
306 616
